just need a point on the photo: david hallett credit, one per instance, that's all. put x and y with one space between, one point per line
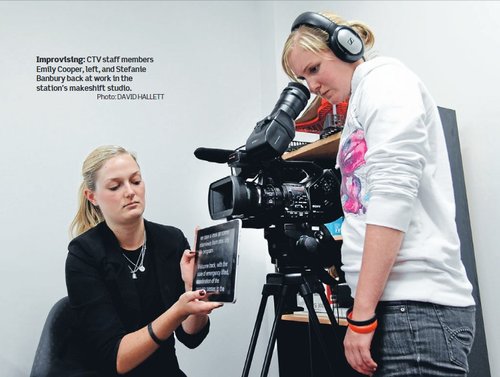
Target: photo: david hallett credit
131 96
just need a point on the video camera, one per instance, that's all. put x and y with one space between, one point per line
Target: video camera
290 199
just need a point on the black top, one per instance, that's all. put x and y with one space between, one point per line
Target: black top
146 284
109 303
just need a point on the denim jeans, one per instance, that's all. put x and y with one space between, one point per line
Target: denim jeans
422 339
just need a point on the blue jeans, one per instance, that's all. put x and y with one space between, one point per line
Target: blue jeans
422 339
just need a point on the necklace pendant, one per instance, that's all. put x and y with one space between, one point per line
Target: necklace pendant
134 275
142 268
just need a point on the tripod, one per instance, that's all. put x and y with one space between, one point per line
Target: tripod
284 286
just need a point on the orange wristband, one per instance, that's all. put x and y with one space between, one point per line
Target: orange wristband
361 327
364 329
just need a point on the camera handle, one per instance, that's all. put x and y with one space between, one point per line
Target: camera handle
283 287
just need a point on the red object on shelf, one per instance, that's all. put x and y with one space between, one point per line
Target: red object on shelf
329 293
320 115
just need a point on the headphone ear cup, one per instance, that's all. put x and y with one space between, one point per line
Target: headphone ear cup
346 44
334 46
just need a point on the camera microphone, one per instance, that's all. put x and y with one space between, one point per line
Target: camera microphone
220 156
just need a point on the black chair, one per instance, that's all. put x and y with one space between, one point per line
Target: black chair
59 351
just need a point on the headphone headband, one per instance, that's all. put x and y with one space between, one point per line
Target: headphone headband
315 20
344 42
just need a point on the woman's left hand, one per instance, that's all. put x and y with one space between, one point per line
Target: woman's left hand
188 265
357 351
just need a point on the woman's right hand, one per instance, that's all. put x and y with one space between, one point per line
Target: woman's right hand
193 302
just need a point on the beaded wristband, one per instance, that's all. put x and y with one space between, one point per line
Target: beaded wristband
153 335
361 327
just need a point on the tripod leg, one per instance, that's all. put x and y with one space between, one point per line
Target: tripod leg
335 326
311 350
272 337
255 334
315 325
338 354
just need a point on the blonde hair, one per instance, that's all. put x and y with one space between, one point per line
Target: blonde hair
316 40
89 215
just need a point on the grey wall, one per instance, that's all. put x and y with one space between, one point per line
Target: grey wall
218 64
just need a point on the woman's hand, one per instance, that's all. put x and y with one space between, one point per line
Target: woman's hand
188 265
357 352
192 302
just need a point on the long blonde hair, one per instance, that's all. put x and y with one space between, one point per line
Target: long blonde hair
315 40
89 215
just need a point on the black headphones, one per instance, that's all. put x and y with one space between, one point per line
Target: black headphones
344 42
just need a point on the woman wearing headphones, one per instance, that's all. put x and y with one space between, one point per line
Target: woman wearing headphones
413 313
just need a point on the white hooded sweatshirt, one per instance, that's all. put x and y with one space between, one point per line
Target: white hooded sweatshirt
396 173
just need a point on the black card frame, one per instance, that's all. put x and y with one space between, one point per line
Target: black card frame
218 260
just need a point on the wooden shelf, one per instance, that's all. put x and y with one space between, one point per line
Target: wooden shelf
324 149
304 317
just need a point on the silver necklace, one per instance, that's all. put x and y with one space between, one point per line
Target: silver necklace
139 264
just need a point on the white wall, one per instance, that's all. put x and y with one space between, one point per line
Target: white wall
208 64
218 65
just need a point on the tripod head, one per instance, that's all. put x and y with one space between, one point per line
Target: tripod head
301 247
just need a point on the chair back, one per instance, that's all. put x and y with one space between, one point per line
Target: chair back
59 351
